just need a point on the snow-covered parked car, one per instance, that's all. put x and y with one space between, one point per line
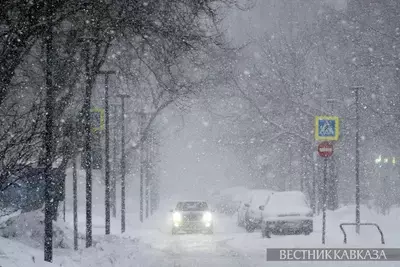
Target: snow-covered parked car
253 215
286 212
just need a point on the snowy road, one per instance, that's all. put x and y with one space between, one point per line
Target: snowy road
233 246
198 249
151 244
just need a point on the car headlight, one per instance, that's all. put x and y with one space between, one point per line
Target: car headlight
177 217
207 217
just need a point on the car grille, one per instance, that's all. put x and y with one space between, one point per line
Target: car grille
192 217
290 214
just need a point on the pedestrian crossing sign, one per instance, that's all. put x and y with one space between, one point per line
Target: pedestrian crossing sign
326 128
97 119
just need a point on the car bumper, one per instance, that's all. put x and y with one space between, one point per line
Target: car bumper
254 220
193 226
289 224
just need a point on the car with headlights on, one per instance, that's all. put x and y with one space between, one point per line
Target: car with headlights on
286 212
192 217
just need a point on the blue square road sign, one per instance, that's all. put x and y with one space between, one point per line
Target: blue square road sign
326 128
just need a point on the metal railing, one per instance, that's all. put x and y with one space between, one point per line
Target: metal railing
361 224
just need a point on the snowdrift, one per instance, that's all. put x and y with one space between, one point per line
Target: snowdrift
28 228
16 254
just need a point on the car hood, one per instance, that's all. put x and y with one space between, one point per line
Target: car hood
191 212
288 211
255 213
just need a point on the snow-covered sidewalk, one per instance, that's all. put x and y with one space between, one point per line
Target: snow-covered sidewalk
24 245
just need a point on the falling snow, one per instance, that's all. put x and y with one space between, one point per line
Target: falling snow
150 103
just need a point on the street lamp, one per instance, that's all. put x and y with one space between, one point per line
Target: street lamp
144 179
357 166
114 160
88 141
88 135
142 116
333 184
107 151
123 96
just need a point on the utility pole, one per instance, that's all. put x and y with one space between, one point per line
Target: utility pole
114 177
314 184
75 196
357 167
152 172
123 96
49 188
151 194
65 193
333 182
88 148
107 151
142 118
324 201
290 169
75 183
147 180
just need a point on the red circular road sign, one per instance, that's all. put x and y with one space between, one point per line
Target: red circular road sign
325 149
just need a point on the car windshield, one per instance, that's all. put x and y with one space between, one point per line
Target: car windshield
192 206
258 199
288 199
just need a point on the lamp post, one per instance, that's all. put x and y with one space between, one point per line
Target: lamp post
142 118
123 96
75 191
87 133
148 173
114 174
144 168
357 166
333 181
314 183
107 151
87 146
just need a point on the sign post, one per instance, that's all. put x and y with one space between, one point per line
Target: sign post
327 128
325 150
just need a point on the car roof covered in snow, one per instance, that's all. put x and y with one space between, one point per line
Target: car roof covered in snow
287 201
233 190
259 196
196 200
292 196
260 192
289 193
